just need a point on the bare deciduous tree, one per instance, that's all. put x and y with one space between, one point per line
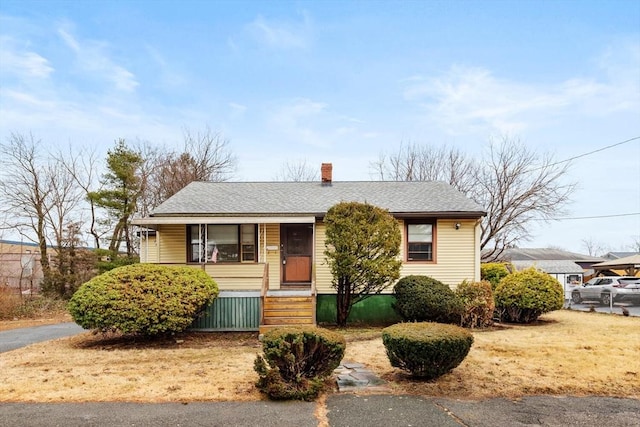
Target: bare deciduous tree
592 247
413 162
24 190
513 183
64 200
205 157
297 171
83 167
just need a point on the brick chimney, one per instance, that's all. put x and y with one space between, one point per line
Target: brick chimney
326 172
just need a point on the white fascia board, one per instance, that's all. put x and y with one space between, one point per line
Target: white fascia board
151 221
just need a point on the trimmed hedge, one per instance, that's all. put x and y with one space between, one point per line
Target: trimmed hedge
423 298
477 304
523 296
144 299
426 350
297 360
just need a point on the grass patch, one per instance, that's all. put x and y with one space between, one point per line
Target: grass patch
564 353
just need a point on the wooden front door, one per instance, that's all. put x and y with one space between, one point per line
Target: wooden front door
297 252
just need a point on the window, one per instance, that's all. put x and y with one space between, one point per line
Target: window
420 241
224 243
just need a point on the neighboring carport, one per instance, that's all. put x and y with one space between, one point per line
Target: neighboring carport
630 265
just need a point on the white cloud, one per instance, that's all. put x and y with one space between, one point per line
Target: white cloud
237 110
92 57
20 62
473 99
280 35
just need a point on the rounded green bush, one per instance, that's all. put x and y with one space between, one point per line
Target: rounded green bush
493 272
144 299
422 298
297 360
427 350
477 304
523 296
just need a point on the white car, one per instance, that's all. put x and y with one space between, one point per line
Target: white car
604 288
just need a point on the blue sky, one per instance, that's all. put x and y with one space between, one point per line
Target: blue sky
342 82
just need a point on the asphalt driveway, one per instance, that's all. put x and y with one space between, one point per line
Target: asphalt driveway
16 338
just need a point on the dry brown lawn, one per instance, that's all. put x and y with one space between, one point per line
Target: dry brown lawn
565 353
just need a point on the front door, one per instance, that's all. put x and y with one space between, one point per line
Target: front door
297 253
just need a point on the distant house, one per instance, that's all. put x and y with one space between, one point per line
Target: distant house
264 242
569 268
20 267
617 255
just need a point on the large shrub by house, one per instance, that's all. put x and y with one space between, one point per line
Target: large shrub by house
143 299
523 296
423 298
426 350
297 360
362 247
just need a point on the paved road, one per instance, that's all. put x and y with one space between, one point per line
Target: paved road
16 338
343 410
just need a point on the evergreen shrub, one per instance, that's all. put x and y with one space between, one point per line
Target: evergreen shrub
493 272
426 350
523 296
297 360
143 299
423 298
477 304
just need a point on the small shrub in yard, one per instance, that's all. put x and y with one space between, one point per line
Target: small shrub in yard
493 272
477 304
422 298
143 299
297 360
523 296
426 350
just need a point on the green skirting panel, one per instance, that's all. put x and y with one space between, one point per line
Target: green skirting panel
375 310
230 313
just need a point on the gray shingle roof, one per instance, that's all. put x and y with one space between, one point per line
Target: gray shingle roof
551 267
312 198
522 254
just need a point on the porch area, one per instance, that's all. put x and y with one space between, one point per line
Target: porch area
257 310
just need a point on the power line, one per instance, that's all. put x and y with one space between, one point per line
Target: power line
587 154
588 217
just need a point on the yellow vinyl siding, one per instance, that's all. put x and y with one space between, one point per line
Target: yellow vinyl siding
273 257
172 244
236 277
455 254
322 270
148 249
457 258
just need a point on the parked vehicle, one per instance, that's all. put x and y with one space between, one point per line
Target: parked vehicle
604 288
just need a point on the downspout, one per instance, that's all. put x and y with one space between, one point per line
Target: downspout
477 250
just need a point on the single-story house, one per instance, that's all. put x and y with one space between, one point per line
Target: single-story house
264 242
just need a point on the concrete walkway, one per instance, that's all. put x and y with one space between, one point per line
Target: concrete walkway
16 338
